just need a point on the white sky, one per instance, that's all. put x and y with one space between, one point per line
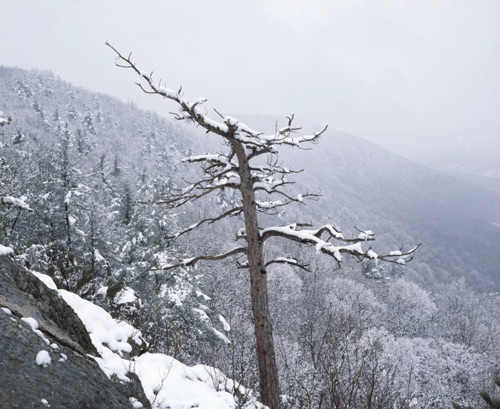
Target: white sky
410 75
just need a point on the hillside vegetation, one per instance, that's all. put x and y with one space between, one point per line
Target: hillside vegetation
79 172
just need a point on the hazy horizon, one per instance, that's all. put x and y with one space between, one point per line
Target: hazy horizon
417 78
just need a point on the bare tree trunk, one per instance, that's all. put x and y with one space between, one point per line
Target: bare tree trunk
268 371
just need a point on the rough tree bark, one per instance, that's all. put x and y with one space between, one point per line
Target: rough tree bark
264 341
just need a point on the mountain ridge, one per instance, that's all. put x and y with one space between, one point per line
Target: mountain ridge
363 185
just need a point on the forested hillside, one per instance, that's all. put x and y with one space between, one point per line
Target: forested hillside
79 172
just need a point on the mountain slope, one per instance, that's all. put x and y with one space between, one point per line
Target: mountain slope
362 184
406 203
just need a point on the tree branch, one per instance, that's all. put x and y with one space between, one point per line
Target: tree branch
232 212
289 261
188 109
313 238
191 262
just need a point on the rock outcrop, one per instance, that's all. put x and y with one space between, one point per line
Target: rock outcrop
35 318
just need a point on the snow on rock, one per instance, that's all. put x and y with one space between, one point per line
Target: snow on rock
6 310
167 382
46 280
102 328
43 358
110 337
135 403
5 251
33 323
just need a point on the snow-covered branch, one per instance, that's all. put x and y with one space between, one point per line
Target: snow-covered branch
15 202
230 128
353 246
288 260
188 110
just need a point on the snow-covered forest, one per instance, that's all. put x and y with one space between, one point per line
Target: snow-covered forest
82 179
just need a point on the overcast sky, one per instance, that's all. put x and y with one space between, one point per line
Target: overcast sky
409 75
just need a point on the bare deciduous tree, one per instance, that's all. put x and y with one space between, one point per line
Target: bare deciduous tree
261 186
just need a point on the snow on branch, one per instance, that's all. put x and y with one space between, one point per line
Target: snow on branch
188 110
365 234
283 136
15 202
230 128
290 261
353 246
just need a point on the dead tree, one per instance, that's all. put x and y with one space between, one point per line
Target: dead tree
261 186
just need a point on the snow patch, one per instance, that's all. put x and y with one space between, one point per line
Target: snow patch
125 296
6 310
202 295
98 256
175 385
135 403
46 280
5 251
43 358
166 382
33 323
102 328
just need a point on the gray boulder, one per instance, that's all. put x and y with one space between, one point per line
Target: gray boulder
72 379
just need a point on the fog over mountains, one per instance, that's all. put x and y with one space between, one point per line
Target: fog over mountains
81 175
362 185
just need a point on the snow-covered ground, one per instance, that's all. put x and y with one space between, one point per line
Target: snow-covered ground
167 382
4 251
